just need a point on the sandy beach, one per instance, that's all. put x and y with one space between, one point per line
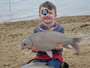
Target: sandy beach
12 34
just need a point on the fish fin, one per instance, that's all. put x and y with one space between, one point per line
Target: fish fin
67 47
49 53
76 45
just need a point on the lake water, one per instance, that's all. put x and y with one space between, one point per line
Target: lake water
14 10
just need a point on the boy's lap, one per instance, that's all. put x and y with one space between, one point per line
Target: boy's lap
51 61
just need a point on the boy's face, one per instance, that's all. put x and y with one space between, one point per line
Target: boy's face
47 15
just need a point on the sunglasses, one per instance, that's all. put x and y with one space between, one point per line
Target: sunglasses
44 11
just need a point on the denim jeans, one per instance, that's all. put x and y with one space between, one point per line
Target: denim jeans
54 62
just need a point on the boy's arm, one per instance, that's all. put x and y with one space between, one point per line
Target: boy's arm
35 30
62 30
35 49
60 46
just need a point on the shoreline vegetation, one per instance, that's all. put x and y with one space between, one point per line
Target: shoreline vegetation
13 33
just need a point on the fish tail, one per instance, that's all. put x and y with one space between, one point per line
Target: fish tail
76 45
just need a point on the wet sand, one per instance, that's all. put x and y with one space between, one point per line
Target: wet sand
12 34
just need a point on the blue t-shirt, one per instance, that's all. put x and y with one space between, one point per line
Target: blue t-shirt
57 27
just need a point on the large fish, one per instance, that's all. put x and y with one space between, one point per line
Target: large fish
48 40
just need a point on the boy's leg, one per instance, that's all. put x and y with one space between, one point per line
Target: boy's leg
55 63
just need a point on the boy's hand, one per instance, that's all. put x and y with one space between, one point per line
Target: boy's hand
59 47
35 50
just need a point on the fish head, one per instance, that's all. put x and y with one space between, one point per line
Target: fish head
26 44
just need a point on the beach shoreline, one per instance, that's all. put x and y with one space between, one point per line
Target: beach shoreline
64 19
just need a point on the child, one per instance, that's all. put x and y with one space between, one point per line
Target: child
47 13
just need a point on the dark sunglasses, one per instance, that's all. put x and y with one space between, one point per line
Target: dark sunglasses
44 11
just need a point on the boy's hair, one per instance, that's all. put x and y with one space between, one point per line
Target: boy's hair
48 5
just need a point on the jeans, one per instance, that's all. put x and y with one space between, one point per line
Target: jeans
54 62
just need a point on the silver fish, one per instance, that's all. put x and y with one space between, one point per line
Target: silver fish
48 40
36 65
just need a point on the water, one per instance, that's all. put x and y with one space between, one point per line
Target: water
28 9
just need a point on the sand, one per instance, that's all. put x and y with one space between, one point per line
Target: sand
12 34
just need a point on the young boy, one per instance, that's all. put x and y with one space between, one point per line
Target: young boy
47 13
